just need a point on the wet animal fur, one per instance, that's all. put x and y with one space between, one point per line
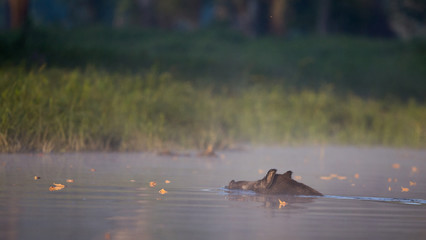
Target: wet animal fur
274 183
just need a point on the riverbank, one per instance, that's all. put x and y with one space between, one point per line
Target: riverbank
77 110
122 90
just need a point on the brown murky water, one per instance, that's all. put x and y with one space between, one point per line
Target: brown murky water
371 193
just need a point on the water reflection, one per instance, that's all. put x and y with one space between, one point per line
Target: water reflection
271 201
116 201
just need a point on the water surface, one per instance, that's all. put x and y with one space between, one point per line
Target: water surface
370 193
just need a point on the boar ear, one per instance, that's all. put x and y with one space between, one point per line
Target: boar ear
269 178
288 174
230 184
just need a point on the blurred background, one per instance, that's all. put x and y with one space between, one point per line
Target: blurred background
145 74
376 18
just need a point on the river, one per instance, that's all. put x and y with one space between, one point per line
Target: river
370 193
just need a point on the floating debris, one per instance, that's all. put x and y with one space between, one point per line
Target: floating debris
297 178
107 236
333 175
170 153
36 177
132 180
389 179
396 165
356 176
389 189
70 180
260 171
403 189
282 203
167 181
93 170
162 191
56 187
414 169
152 184
209 152
413 183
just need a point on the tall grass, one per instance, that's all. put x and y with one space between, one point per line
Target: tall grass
58 109
374 68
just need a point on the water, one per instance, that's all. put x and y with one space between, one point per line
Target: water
368 197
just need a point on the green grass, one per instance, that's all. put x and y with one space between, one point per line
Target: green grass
74 110
100 89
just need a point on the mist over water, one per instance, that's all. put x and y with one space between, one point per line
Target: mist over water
369 193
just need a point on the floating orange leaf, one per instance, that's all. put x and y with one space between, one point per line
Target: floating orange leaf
282 203
56 187
167 181
356 175
414 169
396 165
70 180
107 236
413 183
93 170
325 178
389 179
403 189
162 191
298 178
36 177
333 175
152 184
389 189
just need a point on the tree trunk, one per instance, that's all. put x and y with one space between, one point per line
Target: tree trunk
323 12
18 13
278 25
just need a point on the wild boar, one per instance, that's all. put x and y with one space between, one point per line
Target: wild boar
274 183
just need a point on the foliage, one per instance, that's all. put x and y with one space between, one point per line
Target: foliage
103 89
374 68
73 110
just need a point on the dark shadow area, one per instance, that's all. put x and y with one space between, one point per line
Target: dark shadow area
225 59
